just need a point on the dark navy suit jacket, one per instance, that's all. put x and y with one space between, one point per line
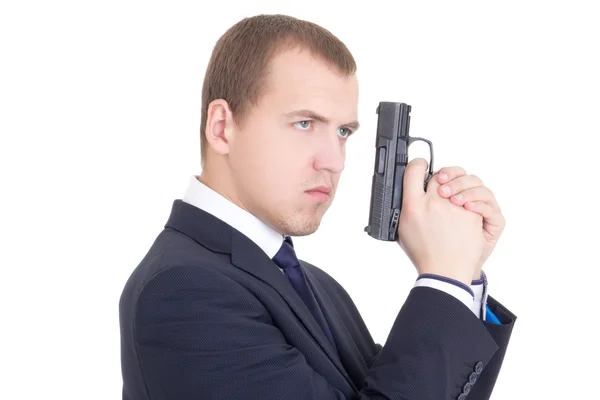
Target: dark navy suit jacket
207 315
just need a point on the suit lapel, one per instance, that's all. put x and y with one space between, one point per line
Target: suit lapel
349 354
249 257
220 237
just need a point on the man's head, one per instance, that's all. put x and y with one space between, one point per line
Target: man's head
280 99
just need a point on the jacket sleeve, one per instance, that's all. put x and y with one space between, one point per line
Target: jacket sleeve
501 334
201 335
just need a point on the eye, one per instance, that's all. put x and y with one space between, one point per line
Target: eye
344 132
303 125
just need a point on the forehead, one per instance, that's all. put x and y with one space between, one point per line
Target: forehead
298 79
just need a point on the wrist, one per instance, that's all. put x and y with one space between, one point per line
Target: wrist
430 279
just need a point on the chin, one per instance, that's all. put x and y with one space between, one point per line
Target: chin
302 231
299 225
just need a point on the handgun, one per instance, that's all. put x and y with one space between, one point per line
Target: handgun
391 157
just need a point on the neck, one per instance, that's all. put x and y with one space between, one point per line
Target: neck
221 183
218 177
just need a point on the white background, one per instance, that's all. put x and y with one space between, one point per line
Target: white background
99 120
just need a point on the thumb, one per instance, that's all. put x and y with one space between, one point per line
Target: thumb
414 179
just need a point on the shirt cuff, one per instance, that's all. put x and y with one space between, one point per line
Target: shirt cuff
480 293
453 287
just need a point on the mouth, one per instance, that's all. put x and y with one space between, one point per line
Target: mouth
320 193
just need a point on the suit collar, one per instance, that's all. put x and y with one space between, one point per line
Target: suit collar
216 235
202 196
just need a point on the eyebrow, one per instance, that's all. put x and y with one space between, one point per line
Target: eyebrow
354 125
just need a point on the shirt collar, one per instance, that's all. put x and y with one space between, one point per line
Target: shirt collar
205 198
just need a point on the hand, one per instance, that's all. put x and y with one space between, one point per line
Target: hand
437 236
469 192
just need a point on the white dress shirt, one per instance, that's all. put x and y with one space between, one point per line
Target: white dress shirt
269 240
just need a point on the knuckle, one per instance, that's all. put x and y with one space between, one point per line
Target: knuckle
453 171
500 215
476 179
484 192
467 195
455 186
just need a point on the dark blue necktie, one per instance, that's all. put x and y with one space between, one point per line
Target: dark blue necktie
286 259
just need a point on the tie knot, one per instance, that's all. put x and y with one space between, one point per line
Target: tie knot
286 256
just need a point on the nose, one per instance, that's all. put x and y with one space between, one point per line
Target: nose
330 155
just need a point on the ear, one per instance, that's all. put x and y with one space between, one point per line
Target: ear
219 126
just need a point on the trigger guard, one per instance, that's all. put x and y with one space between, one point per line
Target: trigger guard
430 173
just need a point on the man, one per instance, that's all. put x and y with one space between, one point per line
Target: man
221 307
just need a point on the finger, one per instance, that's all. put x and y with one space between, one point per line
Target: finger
459 184
413 185
491 216
480 193
448 173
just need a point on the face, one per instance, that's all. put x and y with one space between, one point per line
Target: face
287 157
